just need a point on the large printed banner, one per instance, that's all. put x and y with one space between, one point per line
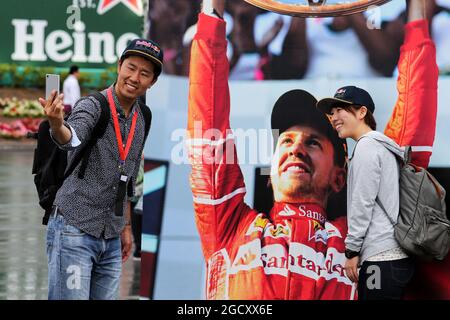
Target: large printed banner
89 33
251 105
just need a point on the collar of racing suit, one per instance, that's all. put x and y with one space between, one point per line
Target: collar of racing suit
309 211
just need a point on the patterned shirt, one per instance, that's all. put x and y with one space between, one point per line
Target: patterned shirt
89 203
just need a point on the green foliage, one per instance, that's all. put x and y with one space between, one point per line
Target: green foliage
5 73
85 79
107 77
12 75
40 82
29 76
17 77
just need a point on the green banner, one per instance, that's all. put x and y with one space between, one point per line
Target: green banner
59 33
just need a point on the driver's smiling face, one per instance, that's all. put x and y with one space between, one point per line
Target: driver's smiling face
303 165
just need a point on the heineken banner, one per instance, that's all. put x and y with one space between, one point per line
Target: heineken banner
57 33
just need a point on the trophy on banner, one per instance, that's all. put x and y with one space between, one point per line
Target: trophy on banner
316 8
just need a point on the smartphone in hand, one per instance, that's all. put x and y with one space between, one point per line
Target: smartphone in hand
51 83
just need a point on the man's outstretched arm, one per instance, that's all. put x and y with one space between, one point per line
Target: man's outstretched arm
413 121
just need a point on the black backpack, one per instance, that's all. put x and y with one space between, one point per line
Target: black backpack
50 162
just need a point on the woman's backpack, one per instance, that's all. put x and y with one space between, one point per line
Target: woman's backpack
422 228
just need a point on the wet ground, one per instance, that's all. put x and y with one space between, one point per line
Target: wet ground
23 262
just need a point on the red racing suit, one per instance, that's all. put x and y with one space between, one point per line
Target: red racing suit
293 252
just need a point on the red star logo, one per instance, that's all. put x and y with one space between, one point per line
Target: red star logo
133 5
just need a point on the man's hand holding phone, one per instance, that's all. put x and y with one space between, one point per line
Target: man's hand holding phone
54 109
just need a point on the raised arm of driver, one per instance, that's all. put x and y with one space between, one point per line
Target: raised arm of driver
209 5
217 182
413 121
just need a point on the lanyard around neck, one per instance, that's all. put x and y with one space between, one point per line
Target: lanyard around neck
123 151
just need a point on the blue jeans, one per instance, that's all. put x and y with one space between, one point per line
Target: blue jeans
80 266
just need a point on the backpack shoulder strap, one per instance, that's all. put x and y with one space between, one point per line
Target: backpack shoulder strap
102 123
407 152
377 199
147 113
97 133
354 148
407 155
100 128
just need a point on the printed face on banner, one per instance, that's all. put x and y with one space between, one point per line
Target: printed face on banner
303 166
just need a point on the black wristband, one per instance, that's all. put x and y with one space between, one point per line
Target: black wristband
349 254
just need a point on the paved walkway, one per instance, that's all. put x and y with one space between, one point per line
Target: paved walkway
23 262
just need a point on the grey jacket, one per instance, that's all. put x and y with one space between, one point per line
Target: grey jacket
373 172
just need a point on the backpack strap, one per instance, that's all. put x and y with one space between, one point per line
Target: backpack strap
407 155
377 199
147 113
97 133
354 148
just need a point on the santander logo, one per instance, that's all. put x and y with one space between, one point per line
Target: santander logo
286 212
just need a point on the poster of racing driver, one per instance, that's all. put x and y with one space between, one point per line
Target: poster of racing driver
294 251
